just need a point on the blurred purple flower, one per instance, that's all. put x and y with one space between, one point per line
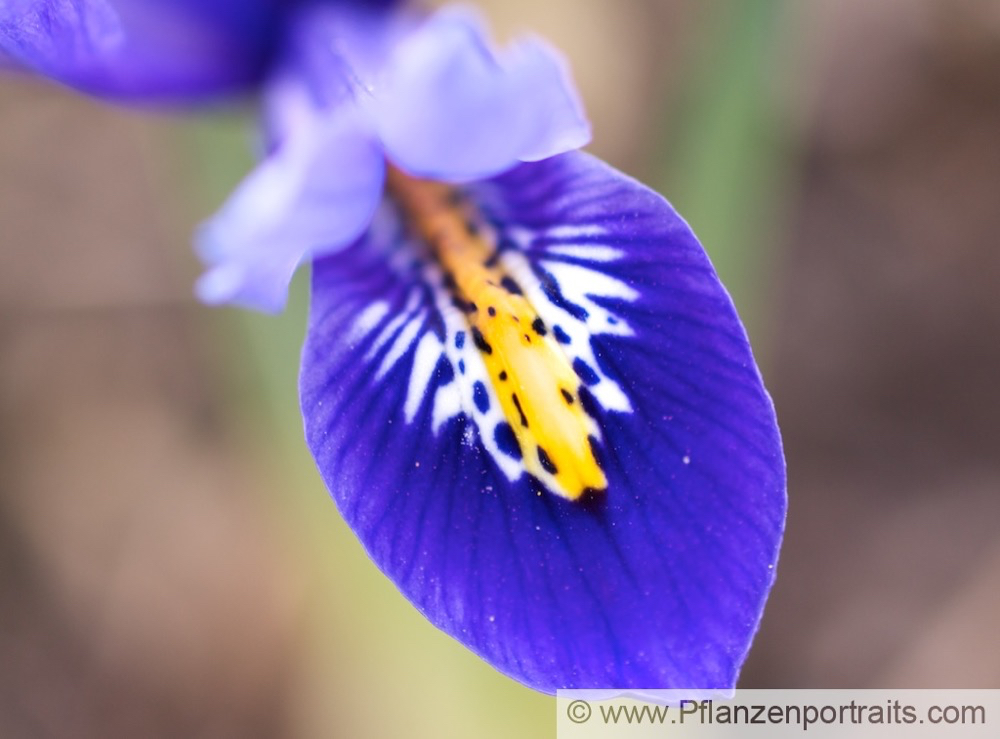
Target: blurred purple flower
148 50
141 49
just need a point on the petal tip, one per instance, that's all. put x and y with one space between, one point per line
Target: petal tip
230 284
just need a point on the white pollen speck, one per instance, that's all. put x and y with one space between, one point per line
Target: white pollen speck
492 618
686 459
469 436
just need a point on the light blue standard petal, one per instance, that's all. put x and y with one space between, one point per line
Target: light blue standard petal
659 580
147 49
446 107
330 55
314 194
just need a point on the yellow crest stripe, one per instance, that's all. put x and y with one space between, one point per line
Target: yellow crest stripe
532 378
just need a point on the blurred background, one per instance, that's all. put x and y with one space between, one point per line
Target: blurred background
170 563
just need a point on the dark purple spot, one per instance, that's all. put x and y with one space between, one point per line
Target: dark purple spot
552 291
511 286
585 371
491 310
538 326
517 404
481 397
588 402
567 395
463 305
596 450
443 371
592 497
480 342
506 441
546 462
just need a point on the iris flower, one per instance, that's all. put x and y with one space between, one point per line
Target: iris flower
522 381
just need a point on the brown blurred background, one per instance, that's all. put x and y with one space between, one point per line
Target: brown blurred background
170 564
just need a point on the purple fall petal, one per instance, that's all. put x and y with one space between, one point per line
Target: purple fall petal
660 581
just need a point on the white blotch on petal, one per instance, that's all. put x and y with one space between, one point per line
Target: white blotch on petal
368 320
424 361
582 251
